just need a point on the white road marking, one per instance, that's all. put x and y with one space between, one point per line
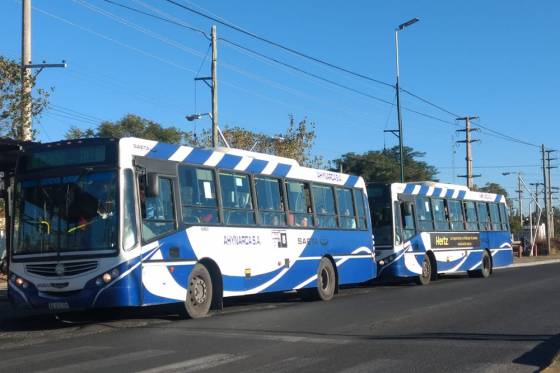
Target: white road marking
193 365
108 361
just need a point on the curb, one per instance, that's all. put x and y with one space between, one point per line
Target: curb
531 264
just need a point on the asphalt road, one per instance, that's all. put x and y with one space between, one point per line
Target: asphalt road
508 323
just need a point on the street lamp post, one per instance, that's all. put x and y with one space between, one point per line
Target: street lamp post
397 88
197 116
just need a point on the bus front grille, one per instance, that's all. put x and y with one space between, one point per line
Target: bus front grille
61 269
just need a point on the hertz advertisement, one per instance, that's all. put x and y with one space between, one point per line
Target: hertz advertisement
452 240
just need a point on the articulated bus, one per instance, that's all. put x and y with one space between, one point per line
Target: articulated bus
425 229
132 222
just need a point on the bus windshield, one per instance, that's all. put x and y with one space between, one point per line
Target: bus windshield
66 213
379 196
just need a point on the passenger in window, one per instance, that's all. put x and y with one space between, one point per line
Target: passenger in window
303 221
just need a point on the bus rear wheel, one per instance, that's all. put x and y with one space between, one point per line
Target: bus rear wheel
427 271
199 292
326 283
485 267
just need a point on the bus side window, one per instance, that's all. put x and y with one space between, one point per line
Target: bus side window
300 213
398 223
424 214
407 220
440 214
360 208
130 230
504 217
483 218
158 212
495 216
456 215
470 214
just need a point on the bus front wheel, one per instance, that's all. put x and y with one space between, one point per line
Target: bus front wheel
199 292
485 267
427 271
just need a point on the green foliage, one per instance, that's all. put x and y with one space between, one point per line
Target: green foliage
515 224
131 126
11 98
383 165
493 188
296 142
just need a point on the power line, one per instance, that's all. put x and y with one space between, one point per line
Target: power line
278 45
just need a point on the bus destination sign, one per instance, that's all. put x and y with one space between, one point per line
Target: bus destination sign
454 240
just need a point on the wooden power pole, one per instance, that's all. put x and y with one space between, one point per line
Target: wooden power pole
468 141
25 130
214 89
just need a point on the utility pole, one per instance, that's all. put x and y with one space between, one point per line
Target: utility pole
25 130
214 88
546 199
468 141
520 194
550 216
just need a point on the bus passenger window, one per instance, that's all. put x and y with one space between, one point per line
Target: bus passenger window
269 198
323 199
470 212
495 216
299 204
407 221
346 213
360 208
504 217
424 214
158 213
198 196
440 214
456 215
483 218
236 199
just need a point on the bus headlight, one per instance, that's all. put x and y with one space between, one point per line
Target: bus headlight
106 277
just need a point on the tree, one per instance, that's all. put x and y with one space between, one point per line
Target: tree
11 98
383 165
296 142
132 126
493 188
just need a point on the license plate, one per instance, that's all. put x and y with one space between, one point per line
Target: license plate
57 306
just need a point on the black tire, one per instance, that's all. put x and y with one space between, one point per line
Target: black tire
326 283
485 267
326 280
427 274
199 292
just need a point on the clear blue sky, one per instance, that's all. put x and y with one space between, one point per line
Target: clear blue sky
495 59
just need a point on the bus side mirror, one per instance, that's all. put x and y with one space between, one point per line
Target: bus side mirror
152 189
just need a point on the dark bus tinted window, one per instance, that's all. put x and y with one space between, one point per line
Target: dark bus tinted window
440 214
346 208
360 208
483 217
495 216
470 212
456 215
269 199
424 214
198 195
236 199
323 200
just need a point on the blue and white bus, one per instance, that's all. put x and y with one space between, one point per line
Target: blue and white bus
134 222
425 229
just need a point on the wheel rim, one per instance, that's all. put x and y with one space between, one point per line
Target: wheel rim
325 279
426 268
198 291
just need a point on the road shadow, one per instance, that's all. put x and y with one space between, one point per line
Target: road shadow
543 353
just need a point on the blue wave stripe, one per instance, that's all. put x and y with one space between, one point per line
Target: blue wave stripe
229 161
198 156
352 180
257 166
462 194
163 151
281 170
